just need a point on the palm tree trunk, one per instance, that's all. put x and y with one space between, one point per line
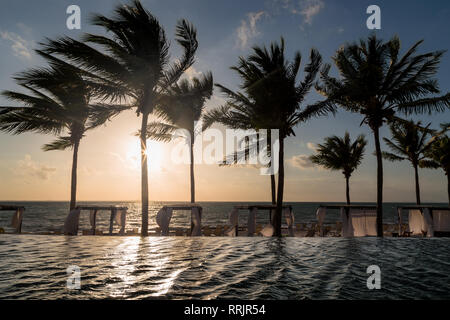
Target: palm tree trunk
73 186
278 212
416 175
448 187
144 175
379 183
347 189
273 188
192 173
272 176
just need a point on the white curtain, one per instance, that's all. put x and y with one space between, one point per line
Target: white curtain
371 222
71 222
196 220
121 218
416 222
163 220
320 214
289 221
251 222
347 229
428 222
363 222
358 221
441 220
16 220
233 222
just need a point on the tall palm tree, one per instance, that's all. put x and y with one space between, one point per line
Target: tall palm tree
267 75
58 103
134 65
378 83
180 107
438 156
408 143
341 154
245 119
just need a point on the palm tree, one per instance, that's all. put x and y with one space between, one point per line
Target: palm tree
378 83
408 143
135 65
247 118
272 99
180 108
438 156
58 103
341 154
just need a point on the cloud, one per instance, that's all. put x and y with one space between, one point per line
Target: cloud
30 168
22 48
191 73
305 8
301 161
248 30
310 8
311 146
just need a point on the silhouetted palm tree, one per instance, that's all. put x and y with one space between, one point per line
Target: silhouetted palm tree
59 104
135 64
408 143
341 154
180 108
378 83
272 99
438 156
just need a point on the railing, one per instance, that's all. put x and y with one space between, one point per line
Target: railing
269 207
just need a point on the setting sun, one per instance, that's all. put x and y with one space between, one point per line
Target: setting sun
154 153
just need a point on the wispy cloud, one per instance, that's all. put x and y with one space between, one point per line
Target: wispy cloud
22 48
248 29
29 168
310 8
301 161
307 9
311 146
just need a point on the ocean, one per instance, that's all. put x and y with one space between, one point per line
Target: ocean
50 216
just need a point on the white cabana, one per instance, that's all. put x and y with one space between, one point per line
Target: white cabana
16 220
427 220
118 214
357 221
253 210
164 216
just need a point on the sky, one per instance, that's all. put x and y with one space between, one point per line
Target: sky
108 158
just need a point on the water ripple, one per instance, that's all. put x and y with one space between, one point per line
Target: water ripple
34 267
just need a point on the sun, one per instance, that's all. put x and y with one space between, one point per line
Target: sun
154 155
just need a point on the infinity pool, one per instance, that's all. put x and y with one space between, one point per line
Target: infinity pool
34 267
